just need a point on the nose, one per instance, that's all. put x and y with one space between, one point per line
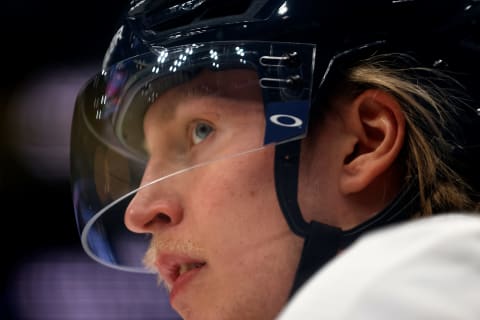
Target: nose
152 209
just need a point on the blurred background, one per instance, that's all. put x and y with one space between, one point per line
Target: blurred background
48 50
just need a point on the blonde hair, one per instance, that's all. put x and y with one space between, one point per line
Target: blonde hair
431 101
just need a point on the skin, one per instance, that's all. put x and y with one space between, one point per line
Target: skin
226 215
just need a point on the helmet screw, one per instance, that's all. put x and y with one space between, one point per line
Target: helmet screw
293 59
295 82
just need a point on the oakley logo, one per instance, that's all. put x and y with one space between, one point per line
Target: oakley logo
286 120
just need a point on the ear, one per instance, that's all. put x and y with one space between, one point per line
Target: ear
376 124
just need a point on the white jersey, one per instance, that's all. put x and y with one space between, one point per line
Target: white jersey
423 269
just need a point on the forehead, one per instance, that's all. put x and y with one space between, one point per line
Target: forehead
236 86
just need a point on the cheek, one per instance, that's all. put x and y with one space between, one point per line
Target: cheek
237 197
236 183
247 239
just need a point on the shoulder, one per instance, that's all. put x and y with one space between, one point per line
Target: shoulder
423 269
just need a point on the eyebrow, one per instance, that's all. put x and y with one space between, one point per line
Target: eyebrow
169 108
202 90
199 87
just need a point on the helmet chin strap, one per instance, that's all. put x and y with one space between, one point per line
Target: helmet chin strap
322 241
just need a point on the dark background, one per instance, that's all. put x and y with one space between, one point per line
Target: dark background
42 44
48 49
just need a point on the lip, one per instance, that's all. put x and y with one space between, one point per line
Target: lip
168 265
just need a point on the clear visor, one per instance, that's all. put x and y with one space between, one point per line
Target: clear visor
162 121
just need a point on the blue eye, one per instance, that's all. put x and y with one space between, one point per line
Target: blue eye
201 132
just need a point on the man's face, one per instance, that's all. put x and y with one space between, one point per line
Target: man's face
220 242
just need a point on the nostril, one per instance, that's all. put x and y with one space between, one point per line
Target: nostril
144 216
162 218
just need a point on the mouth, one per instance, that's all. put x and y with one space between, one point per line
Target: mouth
185 267
177 270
